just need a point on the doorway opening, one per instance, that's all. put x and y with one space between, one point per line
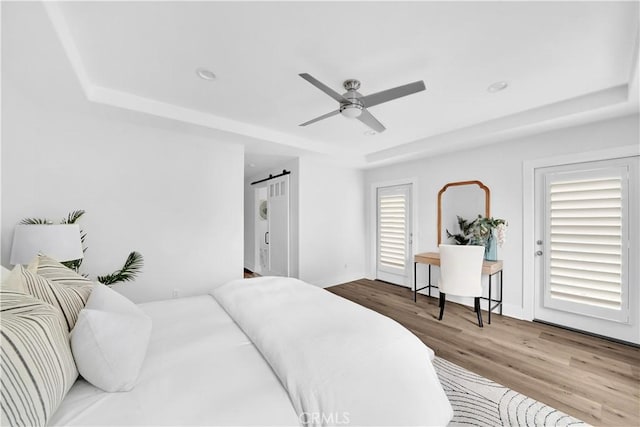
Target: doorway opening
271 202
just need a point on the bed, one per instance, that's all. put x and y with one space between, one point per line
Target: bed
200 369
269 351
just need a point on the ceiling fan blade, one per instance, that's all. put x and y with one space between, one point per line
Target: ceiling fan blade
389 94
368 119
322 117
326 89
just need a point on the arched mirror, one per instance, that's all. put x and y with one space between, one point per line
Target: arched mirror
467 199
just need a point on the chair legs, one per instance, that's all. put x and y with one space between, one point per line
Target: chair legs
476 304
442 299
476 308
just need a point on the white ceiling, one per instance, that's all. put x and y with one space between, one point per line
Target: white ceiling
564 62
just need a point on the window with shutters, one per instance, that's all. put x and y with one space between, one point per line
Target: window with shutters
587 241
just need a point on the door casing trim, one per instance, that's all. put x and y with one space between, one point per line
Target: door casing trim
528 210
373 224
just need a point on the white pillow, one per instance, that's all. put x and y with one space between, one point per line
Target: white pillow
106 299
4 272
12 280
110 339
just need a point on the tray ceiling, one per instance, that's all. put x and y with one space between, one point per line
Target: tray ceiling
563 61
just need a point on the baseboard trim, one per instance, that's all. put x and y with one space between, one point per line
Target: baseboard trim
334 282
590 334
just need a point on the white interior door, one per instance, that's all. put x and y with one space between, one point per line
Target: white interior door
261 228
586 237
278 220
394 234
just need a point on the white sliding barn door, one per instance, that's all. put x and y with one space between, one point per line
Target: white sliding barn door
261 230
586 247
394 234
278 233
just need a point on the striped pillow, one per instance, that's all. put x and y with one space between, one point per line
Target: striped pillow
37 364
51 269
70 299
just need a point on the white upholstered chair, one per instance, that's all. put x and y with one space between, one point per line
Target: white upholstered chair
461 274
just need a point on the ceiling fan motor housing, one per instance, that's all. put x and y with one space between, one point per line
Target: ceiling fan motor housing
353 108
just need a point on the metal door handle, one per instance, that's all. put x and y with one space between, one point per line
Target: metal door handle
266 238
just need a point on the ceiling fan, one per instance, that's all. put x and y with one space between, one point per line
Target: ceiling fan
354 105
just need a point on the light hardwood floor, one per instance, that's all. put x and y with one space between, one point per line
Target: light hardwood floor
592 379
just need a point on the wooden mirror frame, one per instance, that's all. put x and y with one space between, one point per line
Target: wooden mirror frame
487 201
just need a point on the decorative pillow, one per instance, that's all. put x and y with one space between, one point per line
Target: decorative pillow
13 281
69 299
4 273
110 340
51 269
37 364
106 299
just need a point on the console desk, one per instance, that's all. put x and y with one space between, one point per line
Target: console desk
489 268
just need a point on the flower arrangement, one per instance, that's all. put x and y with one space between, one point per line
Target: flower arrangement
501 233
479 231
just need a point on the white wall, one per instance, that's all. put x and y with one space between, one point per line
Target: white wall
173 196
332 230
498 166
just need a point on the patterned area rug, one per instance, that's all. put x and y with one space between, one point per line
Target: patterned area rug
479 401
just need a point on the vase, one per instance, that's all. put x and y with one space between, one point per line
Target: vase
491 249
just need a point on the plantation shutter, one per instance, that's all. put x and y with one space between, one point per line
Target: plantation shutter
392 229
587 242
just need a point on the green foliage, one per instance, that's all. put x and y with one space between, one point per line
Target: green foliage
35 221
132 266
130 269
72 218
73 265
463 237
484 227
476 232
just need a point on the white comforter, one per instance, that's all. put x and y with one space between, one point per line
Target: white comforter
200 370
341 363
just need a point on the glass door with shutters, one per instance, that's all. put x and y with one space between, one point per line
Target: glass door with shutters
585 240
394 234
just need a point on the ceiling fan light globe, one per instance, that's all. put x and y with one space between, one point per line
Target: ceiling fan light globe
351 111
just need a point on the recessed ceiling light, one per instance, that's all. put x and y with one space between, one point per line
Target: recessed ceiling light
205 74
497 87
370 132
252 165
